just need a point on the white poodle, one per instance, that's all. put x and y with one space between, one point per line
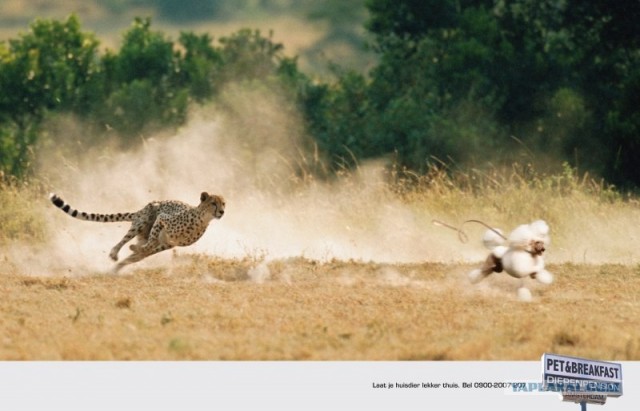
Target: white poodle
520 258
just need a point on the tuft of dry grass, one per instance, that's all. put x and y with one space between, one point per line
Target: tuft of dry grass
203 308
591 221
505 194
20 216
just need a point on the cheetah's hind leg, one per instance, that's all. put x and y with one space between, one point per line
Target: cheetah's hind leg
154 236
135 257
133 231
141 240
140 254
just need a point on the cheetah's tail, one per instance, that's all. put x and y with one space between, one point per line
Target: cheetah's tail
81 215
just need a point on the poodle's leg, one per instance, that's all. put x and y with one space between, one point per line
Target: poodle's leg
543 276
524 294
491 264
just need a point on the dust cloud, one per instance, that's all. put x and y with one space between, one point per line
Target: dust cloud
253 152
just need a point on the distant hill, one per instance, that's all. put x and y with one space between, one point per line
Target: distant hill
319 32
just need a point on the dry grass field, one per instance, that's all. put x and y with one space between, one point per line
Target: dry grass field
303 268
203 308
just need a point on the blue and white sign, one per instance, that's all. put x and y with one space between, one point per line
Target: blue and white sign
573 376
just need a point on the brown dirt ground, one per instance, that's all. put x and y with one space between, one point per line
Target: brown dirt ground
203 308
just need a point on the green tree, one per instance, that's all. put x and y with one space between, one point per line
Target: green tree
560 74
608 61
438 66
248 55
141 82
199 65
52 67
148 82
47 68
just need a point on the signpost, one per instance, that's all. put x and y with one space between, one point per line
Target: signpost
581 380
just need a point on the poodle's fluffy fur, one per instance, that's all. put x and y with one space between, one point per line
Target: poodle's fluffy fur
521 256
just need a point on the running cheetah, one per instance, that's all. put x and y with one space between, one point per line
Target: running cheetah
159 226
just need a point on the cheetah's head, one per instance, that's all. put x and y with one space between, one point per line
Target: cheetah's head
214 203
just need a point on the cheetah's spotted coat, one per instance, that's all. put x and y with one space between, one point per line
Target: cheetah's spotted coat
159 226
